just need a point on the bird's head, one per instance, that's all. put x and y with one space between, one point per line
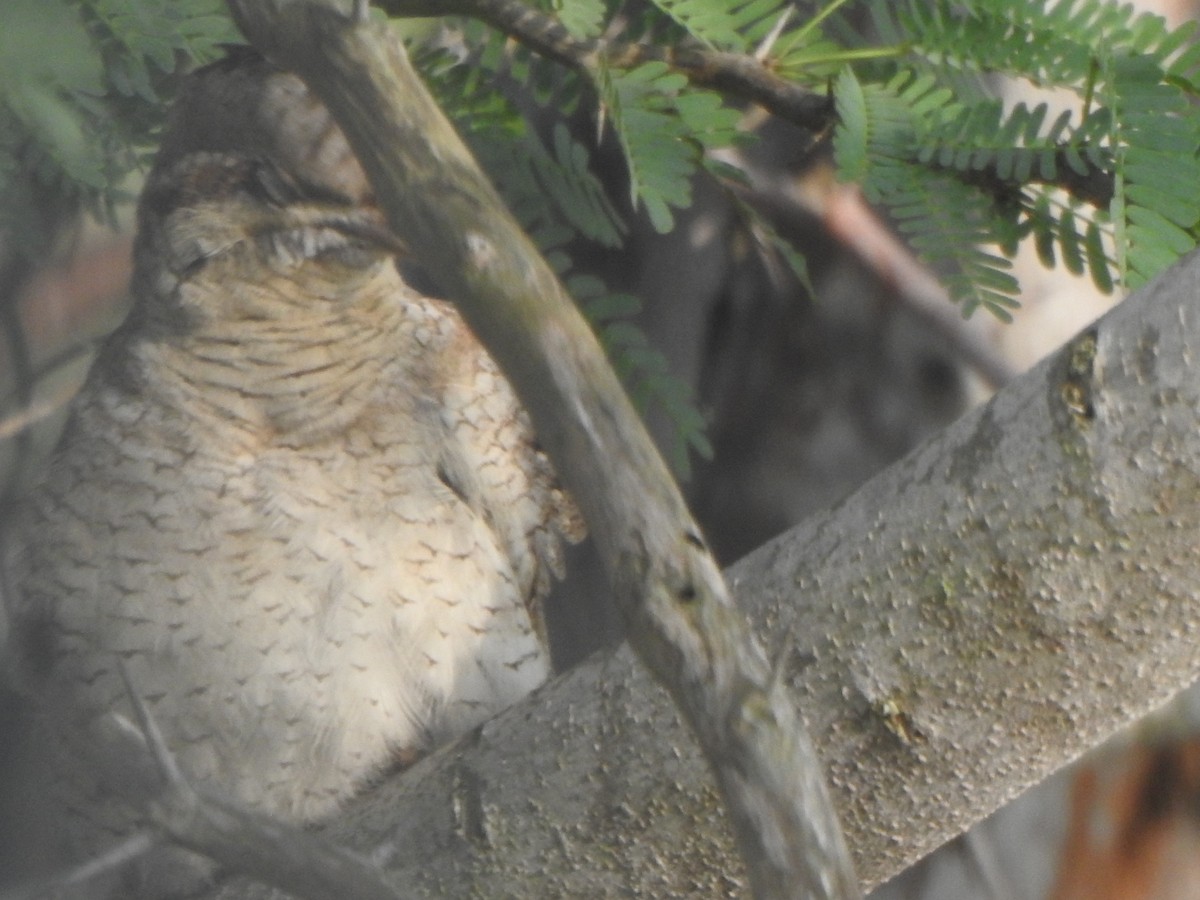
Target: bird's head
252 171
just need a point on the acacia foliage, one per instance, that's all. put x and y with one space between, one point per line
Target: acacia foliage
83 85
1111 185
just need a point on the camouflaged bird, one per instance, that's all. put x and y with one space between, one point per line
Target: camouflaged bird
296 497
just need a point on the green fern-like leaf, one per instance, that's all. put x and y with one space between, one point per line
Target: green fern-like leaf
553 194
1156 138
725 25
582 18
550 188
141 40
83 86
946 220
660 158
1052 45
852 141
1134 78
663 126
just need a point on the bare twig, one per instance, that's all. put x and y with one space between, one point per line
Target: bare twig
305 865
268 850
35 411
851 221
977 847
745 76
133 847
736 74
13 273
164 759
676 607
847 217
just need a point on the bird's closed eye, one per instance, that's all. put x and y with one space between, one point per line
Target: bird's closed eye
267 182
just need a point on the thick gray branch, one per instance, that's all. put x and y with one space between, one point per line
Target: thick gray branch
973 618
676 607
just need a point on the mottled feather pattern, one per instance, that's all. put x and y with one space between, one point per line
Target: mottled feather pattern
296 498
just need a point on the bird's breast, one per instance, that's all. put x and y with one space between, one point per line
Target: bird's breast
297 620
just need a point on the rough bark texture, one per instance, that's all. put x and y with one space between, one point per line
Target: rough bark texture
973 618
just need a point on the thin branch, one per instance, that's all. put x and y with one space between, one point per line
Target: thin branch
276 853
299 862
13 274
1092 186
35 411
735 74
164 759
980 852
133 847
676 607
743 76
305 865
851 221
844 213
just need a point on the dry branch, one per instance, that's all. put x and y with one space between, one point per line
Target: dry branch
737 75
677 610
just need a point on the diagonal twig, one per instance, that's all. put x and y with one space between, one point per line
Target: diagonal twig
677 610
744 76
242 841
737 74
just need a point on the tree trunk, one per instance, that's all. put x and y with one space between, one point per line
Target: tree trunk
974 617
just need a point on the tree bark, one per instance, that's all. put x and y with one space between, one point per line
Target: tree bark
976 616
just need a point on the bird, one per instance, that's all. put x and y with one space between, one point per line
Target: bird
296 501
